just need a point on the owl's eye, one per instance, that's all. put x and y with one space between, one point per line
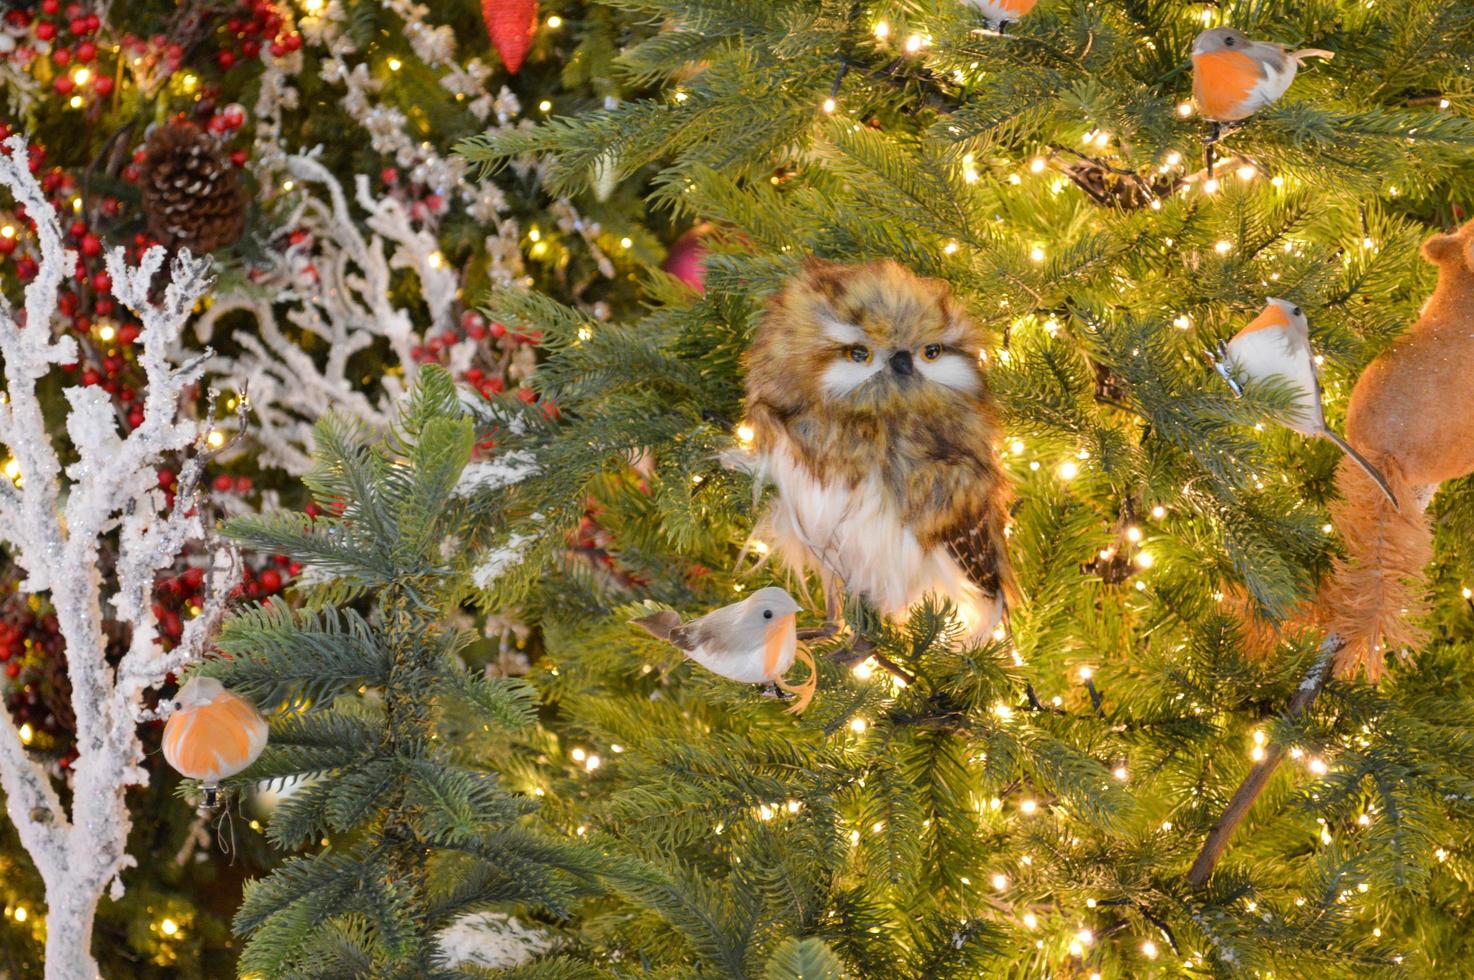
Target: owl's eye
767 614
931 351
859 353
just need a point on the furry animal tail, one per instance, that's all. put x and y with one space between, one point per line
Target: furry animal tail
1375 593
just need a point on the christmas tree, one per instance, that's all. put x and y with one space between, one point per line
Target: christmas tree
306 147
1163 759
720 487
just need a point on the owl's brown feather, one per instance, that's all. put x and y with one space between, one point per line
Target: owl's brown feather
922 439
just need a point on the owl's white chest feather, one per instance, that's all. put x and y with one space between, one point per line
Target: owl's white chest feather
857 535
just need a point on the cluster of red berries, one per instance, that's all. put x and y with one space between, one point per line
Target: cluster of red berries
495 345
67 35
179 597
254 24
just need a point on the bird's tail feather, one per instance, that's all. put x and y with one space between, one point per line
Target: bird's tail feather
1364 463
658 624
805 689
1374 595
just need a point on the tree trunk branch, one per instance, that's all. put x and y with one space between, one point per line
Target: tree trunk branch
1259 776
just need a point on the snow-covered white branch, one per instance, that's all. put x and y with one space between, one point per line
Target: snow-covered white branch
56 525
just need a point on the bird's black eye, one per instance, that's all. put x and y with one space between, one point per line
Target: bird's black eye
1228 42
931 351
1297 311
859 353
767 614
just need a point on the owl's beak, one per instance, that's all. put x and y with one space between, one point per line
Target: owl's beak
901 363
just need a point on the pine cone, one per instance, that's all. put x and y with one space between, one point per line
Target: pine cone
192 195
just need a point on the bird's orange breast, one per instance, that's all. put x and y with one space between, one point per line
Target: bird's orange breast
1016 7
215 740
773 645
1222 81
1272 316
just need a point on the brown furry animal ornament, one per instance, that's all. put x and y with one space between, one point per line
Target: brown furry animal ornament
872 418
1412 415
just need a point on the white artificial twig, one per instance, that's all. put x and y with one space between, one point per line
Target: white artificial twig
55 525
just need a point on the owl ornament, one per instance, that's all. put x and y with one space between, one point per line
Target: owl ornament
754 641
1410 415
1277 344
872 419
213 735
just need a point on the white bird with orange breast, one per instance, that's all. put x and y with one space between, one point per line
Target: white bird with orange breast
754 641
1277 343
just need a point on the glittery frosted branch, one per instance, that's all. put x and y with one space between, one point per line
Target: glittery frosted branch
55 525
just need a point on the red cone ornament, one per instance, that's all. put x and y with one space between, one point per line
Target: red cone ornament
510 25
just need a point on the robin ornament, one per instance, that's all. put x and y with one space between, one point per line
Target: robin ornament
1277 344
754 641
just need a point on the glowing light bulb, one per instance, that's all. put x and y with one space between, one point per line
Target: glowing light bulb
915 43
863 670
20 913
1223 247
1000 882
593 762
882 30
829 105
578 754
27 733
1149 950
858 725
1036 165
1210 186
168 927
1184 109
1068 470
1133 534
395 64
1028 807
745 433
1086 673
546 106
1036 254
555 22
1031 920
216 439
1120 773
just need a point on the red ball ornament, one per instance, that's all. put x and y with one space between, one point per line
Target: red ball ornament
510 25
686 259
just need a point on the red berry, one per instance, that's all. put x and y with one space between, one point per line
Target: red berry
243 484
238 157
498 331
25 268
78 25
223 483
217 125
86 51
135 418
63 84
91 377
389 175
78 228
91 246
104 307
193 577
278 50
226 59
102 282
103 86
7 245
45 30
12 669
127 333
93 23
527 395
251 48
293 42
50 6
271 580
166 477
